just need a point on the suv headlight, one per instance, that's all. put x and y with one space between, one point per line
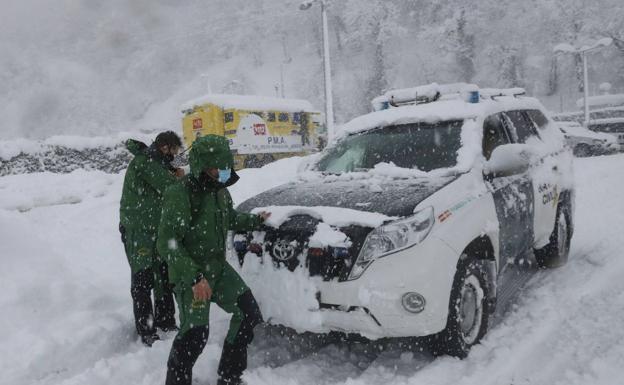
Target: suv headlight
393 237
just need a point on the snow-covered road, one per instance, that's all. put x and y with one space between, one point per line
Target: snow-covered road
65 310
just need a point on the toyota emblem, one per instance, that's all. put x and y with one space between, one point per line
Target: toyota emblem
283 250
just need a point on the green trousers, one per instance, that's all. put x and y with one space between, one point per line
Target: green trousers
226 289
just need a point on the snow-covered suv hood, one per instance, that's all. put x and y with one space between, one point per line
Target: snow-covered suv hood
396 198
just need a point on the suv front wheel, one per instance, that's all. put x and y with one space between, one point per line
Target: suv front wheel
469 311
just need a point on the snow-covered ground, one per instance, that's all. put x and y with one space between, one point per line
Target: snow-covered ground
66 311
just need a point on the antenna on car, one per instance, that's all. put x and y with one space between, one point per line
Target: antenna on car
494 93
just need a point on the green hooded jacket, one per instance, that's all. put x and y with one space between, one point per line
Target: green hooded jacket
147 177
197 215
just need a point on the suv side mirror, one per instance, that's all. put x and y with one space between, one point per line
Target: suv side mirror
507 160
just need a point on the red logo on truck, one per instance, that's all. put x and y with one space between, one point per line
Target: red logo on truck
259 129
197 123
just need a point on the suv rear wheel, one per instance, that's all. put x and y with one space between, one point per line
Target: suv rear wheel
582 150
555 253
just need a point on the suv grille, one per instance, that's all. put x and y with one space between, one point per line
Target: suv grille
288 246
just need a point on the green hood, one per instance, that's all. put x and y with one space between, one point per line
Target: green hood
135 147
210 151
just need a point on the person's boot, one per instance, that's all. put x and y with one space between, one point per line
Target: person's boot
232 364
149 339
184 353
234 356
231 381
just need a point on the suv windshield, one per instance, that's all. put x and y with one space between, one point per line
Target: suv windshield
422 146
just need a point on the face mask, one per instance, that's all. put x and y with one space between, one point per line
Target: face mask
224 175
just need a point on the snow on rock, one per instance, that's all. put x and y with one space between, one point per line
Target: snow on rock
62 154
14 147
333 216
250 102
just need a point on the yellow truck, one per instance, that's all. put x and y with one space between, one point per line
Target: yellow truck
260 129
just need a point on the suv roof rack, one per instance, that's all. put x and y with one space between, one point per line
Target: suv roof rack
498 92
471 93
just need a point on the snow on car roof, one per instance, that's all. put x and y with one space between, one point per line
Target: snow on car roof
602 100
250 102
437 111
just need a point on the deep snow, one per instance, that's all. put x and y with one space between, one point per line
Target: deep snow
66 310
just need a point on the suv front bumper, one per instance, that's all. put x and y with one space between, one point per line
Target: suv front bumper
372 304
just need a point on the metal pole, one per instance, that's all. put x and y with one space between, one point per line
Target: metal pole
282 79
329 109
585 88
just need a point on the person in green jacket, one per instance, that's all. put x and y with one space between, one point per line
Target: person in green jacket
197 215
148 175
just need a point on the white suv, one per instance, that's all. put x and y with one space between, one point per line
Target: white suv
611 126
584 142
404 225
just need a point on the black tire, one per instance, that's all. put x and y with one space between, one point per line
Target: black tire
469 311
556 252
582 151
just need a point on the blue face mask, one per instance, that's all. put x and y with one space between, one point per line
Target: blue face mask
224 175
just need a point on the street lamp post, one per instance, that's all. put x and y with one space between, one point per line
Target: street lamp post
585 88
567 48
329 103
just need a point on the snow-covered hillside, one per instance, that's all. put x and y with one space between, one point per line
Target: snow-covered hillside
66 309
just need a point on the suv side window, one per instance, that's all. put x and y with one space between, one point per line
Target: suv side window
524 127
538 118
494 134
